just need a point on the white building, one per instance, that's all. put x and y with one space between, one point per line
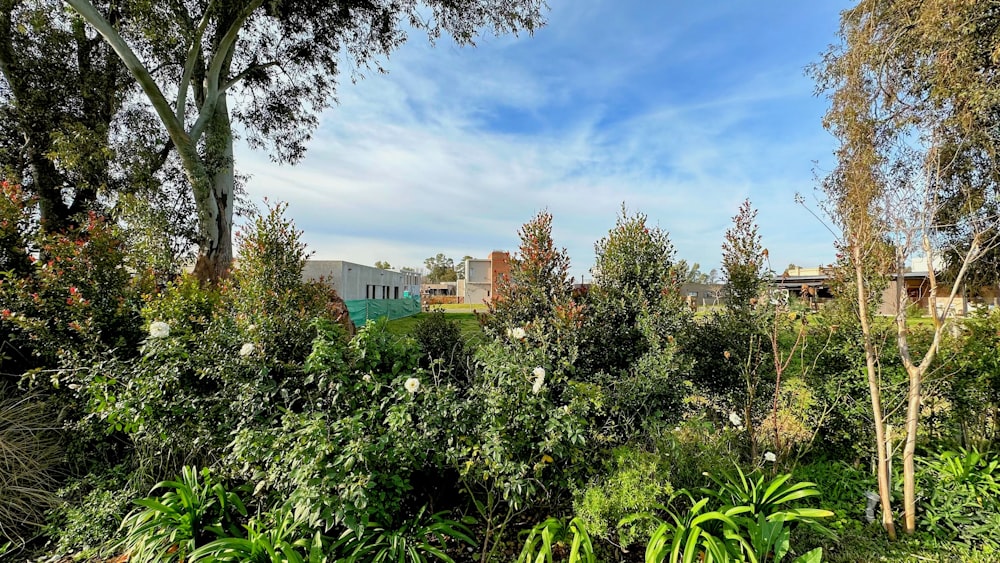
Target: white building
478 283
356 281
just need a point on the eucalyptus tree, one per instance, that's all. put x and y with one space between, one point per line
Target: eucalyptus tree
206 65
914 104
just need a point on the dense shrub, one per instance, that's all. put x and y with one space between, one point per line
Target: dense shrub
962 504
538 293
973 389
75 301
442 346
374 428
91 509
634 280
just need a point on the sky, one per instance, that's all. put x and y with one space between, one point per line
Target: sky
677 110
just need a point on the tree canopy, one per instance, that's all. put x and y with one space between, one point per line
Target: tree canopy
440 268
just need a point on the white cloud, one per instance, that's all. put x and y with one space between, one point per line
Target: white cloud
456 148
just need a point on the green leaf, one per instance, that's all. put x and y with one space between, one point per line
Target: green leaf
814 556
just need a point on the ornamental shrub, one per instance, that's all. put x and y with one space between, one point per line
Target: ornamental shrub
633 481
538 293
271 305
529 439
635 282
442 346
66 296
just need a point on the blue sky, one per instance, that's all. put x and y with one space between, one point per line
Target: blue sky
679 110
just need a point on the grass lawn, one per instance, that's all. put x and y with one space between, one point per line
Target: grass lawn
467 322
461 307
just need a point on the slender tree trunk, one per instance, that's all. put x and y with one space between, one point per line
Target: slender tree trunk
909 480
875 391
215 206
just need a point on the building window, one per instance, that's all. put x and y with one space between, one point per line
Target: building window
396 292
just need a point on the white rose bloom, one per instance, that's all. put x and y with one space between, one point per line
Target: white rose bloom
159 329
735 419
769 456
247 349
412 385
516 333
539 373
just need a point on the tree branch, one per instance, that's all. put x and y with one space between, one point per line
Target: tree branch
175 129
245 72
189 63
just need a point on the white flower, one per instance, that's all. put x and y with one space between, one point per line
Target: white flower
516 333
412 385
539 373
366 377
735 419
247 349
769 456
159 329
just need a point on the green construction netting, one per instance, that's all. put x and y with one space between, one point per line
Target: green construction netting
363 310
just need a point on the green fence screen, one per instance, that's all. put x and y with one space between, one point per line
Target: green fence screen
363 310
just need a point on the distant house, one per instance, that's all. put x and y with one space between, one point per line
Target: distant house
482 276
815 284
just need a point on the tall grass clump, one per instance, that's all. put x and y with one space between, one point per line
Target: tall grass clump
30 455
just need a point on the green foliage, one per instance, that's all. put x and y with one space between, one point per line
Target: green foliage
747 518
381 353
270 303
538 292
635 284
75 300
743 263
188 514
16 225
173 401
29 464
551 536
442 346
440 268
274 538
692 536
529 437
92 508
963 498
706 342
351 465
634 482
693 448
417 540
844 487
766 497
974 388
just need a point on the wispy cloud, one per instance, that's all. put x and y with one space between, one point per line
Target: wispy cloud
658 108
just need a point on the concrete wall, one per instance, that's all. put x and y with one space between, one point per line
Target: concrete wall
476 287
357 281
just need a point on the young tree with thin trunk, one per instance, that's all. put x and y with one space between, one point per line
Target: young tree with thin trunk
911 89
